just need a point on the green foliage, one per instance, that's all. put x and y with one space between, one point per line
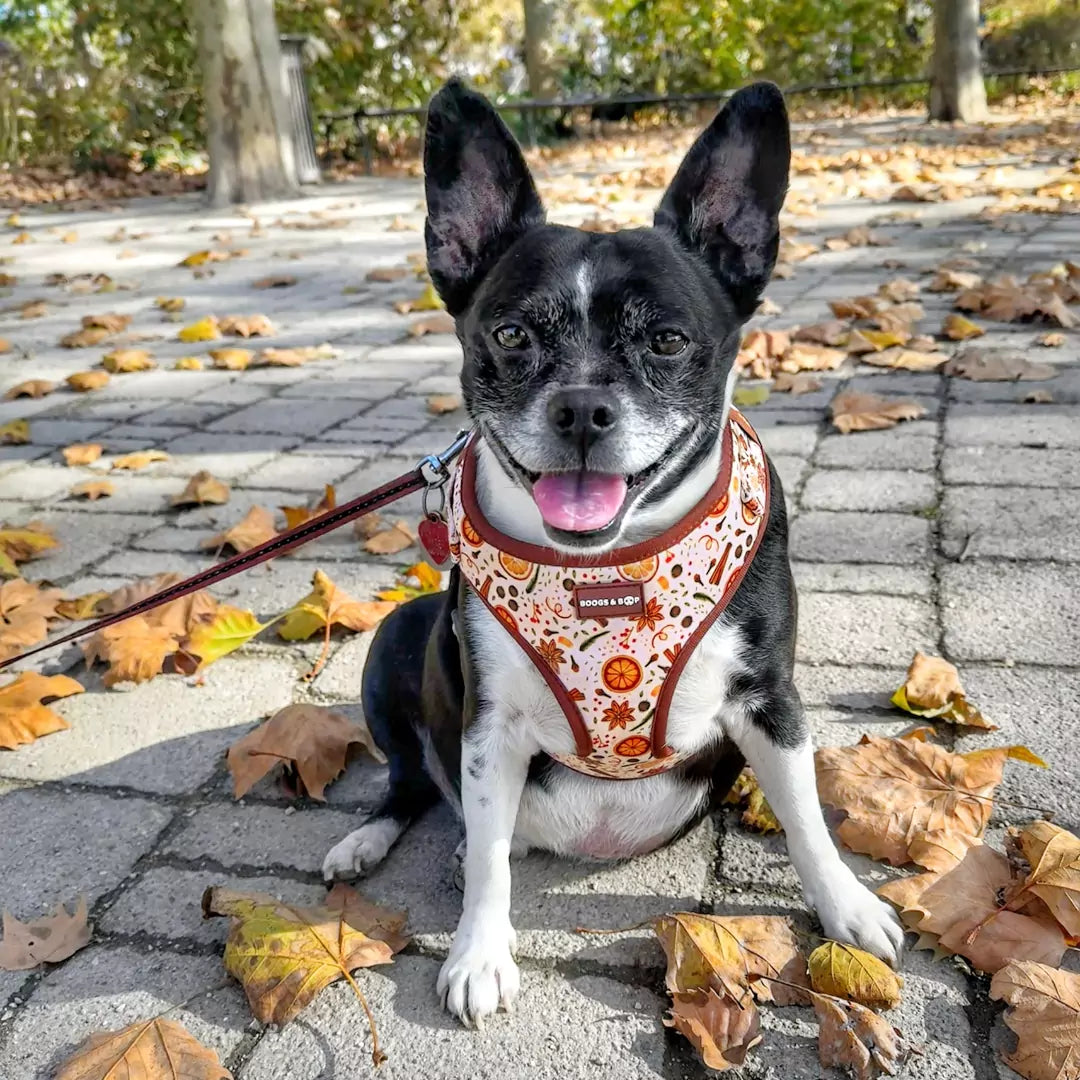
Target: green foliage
1034 35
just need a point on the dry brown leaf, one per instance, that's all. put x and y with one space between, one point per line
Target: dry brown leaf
34 309
833 332
275 281
82 381
255 528
34 388
85 338
953 280
44 941
906 359
139 459
82 453
958 328
894 789
1052 339
438 404
757 813
389 542
801 382
25 610
82 607
134 649
898 290
294 357
853 411
368 525
1038 397
932 689
312 740
857 307
719 1028
1044 1011
387 273
128 360
110 321
996 365
171 304
232 359
154 1049
871 341
1053 854
23 715
284 955
806 356
93 490
247 325
5 345
297 515
854 1037
202 488
846 972
439 323
19 544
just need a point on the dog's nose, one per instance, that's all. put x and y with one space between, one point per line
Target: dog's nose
582 414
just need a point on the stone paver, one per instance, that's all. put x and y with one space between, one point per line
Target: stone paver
953 533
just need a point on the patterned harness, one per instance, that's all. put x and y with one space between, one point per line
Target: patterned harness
612 634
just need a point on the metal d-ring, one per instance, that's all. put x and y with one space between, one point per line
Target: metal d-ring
436 514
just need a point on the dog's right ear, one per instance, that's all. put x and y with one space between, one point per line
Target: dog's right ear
480 194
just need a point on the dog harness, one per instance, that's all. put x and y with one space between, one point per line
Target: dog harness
611 634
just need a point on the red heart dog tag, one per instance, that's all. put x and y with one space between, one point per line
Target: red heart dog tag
435 540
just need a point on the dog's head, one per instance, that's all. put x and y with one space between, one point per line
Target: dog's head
597 365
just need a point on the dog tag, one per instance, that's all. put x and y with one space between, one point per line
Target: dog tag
434 537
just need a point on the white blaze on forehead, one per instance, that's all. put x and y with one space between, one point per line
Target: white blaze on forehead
583 283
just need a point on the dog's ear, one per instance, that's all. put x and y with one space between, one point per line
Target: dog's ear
480 194
725 200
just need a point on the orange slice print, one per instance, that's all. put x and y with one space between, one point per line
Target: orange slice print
644 570
720 507
621 673
516 568
632 746
505 616
470 533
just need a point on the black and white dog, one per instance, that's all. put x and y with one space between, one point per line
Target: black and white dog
598 375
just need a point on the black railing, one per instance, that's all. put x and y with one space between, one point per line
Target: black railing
361 117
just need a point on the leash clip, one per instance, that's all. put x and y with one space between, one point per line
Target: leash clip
433 468
433 530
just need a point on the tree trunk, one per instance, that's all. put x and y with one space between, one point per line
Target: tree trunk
957 91
247 136
539 19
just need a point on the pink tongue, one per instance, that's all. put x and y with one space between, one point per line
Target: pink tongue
579 502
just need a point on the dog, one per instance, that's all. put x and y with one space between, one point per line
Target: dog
598 376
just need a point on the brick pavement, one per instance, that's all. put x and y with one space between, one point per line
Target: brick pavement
953 533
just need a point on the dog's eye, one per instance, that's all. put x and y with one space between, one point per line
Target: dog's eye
511 337
668 343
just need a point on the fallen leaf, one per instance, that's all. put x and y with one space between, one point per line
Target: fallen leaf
1052 339
247 325
188 363
1038 397
806 356
82 607
413 581
206 329
34 388
854 1037
232 359
387 273
275 281
296 356
833 332
225 632
958 328
898 290
1044 1011
721 952
857 307
127 360
871 341
748 396
996 365
93 490
19 545
852 411
284 955
801 382
25 610
954 280
255 528
368 525
721 1029
134 649
139 459
34 309
202 488
82 381
23 715
428 300
846 972
959 910
171 304
82 453
906 359
894 789
110 321
297 515
389 542
5 345
757 813
15 432
439 323
200 258
45 941
311 739
933 689
1053 853
154 1049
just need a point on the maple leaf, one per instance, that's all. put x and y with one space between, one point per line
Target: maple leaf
202 488
85 338
206 329
906 359
82 381
871 341
48 940
255 528
222 633
853 1036
846 972
802 382
93 489
24 613
852 411
15 432
757 814
81 607
894 789
311 739
392 540
960 910
23 715
284 955
247 325
721 1029
932 689
1053 853
127 360
135 649
1044 1011
296 356
34 388
833 332
232 359
806 356
297 515
154 1049
19 545
996 365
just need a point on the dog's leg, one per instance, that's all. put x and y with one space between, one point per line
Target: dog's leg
847 909
480 975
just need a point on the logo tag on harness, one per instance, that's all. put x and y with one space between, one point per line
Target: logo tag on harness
619 600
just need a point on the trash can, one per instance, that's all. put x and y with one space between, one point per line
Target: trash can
301 130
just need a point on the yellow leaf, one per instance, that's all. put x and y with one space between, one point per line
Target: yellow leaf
231 359
846 972
23 716
81 607
18 545
170 303
196 258
206 329
188 363
869 341
229 628
426 578
428 300
203 487
758 814
15 432
82 453
35 388
746 396
933 689
297 515
93 489
959 328
82 381
121 360
139 459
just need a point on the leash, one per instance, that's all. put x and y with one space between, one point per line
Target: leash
430 475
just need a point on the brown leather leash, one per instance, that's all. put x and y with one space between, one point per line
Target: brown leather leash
432 473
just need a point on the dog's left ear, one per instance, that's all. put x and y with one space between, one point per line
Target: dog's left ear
724 201
480 194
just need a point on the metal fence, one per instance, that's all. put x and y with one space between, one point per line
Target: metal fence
362 119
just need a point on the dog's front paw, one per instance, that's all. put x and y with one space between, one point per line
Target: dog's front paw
850 912
361 850
479 976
